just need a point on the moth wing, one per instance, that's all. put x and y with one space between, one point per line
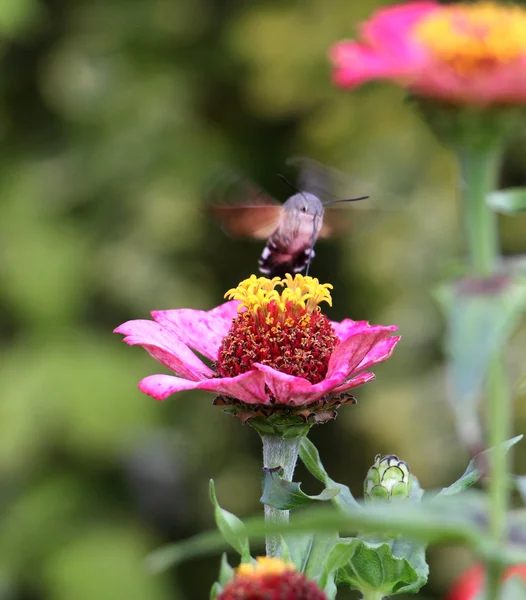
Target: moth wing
336 221
257 222
243 208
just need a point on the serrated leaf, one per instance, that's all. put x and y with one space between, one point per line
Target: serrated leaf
231 527
226 572
286 495
508 201
473 473
480 317
310 457
373 567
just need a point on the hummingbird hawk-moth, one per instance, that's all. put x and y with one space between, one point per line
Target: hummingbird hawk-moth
291 229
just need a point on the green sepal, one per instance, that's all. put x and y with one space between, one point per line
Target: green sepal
473 472
508 201
231 527
286 495
371 567
481 316
310 457
215 591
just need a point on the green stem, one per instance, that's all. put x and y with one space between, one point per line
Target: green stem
479 170
279 452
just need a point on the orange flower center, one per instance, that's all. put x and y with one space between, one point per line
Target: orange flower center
286 331
472 37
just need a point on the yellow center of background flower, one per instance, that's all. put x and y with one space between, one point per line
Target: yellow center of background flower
266 565
473 37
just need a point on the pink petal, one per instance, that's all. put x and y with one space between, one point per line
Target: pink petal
390 27
348 327
201 330
162 386
386 48
294 391
248 387
348 355
382 351
165 347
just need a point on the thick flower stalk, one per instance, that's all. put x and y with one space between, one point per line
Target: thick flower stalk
269 350
388 479
466 53
270 579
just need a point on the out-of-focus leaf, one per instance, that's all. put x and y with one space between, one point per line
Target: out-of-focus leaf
509 201
215 591
286 495
473 472
231 527
310 457
226 572
520 482
481 317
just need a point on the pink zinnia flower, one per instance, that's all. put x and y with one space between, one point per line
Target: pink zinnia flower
461 53
270 579
266 348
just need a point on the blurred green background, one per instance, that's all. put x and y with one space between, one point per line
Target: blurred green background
114 114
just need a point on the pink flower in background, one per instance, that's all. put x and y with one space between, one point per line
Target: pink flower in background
266 348
461 53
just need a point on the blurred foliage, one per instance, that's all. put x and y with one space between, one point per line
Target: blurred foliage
114 116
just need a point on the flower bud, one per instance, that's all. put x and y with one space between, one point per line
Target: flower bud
388 479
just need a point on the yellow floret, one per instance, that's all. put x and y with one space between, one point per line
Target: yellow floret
266 565
301 292
471 36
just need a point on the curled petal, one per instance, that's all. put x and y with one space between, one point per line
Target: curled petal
294 391
352 351
166 347
354 382
201 330
248 387
382 351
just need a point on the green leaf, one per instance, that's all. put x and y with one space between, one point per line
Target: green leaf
226 572
285 550
509 201
231 527
473 472
373 567
480 317
215 591
311 459
285 495
320 547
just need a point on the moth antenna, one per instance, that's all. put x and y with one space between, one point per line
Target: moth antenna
291 185
345 200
